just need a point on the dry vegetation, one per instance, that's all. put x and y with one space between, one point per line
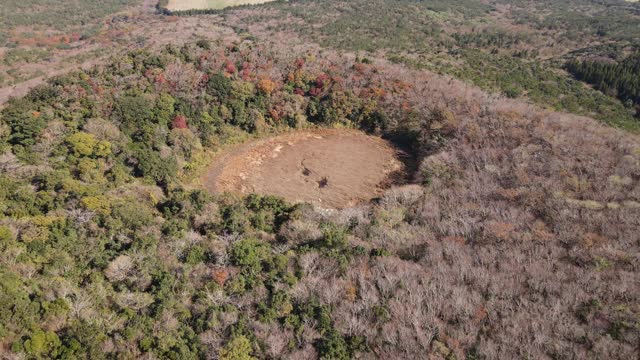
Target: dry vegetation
62 50
517 237
521 224
180 5
522 243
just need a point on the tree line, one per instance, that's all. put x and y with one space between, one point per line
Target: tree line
620 79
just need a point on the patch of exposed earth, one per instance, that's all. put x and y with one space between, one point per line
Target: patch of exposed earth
331 168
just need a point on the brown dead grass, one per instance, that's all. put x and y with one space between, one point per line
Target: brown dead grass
179 5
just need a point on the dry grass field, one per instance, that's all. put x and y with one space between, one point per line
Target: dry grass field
178 5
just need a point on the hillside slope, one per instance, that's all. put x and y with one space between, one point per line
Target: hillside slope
517 236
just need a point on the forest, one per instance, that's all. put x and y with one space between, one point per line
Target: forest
514 233
107 251
620 80
110 170
499 46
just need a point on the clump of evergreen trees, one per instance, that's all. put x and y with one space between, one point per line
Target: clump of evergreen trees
620 79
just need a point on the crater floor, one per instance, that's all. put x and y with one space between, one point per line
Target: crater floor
333 168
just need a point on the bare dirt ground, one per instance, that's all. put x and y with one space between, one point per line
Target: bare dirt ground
331 168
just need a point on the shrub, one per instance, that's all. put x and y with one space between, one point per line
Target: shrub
376 122
6 237
235 218
179 122
100 204
203 44
85 144
81 144
333 236
219 85
133 215
16 308
164 108
174 227
195 255
239 348
25 124
236 286
151 165
266 86
333 346
270 212
279 306
43 345
249 253
377 252
512 91
133 112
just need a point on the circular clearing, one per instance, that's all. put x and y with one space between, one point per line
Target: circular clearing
330 167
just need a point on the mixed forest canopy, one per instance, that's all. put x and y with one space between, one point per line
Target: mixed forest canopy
514 235
515 48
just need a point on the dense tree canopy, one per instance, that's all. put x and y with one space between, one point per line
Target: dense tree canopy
616 79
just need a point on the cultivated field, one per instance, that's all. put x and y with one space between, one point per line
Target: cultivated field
331 168
179 5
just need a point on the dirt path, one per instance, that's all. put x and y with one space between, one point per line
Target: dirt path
329 167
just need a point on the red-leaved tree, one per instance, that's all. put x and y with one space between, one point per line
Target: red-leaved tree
179 122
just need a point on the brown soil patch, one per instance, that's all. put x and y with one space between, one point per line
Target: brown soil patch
329 167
